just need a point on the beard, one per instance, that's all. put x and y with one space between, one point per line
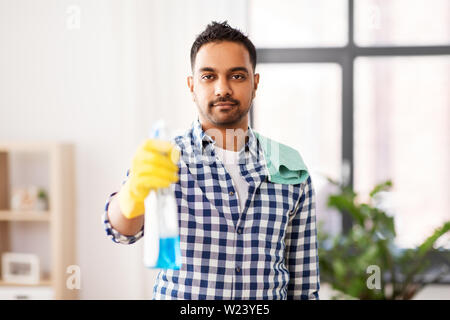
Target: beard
225 117
222 117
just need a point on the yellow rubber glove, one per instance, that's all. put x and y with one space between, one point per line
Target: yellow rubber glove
153 167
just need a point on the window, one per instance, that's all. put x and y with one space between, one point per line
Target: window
402 22
294 96
402 132
298 23
394 64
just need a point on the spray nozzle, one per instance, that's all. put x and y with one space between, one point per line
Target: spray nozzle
159 130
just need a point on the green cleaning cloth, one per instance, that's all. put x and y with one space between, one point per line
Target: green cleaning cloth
285 164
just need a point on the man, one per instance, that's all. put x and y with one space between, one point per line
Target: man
243 234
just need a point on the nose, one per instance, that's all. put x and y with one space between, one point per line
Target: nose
223 88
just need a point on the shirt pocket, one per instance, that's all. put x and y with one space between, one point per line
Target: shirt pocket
274 215
272 227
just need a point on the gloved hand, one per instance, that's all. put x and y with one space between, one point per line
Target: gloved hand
153 167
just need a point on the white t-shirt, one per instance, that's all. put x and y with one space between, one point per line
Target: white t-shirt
230 160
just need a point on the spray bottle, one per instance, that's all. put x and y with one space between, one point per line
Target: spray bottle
161 234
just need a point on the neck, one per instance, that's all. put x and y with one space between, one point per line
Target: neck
230 137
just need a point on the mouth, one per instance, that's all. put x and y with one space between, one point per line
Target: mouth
223 105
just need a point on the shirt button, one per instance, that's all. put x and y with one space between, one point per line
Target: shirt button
239 230
238 269
231 193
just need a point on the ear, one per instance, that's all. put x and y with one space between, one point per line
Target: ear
256 80
190 83
255 86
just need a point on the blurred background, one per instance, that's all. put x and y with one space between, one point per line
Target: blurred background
360 88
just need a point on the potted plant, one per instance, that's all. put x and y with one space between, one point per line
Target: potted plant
42 199
345 259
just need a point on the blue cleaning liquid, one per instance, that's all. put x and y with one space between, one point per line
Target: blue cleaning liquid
169 253
161 210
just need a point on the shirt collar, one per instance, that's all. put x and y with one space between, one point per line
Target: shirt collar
201 139
251 150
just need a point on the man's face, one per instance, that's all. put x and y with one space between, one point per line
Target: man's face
223 84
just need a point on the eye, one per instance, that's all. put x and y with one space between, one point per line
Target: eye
207 77
238 76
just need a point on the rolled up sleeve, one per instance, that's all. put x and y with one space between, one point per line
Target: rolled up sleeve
112 233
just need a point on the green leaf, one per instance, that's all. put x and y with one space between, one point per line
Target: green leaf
417 258
344 203
384 186
427 245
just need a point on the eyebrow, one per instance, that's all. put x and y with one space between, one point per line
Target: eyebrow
209 69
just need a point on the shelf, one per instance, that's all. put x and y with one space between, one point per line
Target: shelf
27 146
42 283
16 215
50 234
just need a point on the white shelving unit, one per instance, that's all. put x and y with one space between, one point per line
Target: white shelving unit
50 233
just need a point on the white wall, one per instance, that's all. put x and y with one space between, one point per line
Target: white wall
100 86
166 31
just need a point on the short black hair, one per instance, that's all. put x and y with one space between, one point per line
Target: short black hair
218 32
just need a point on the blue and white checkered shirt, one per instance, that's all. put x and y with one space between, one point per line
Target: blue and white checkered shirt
268 250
